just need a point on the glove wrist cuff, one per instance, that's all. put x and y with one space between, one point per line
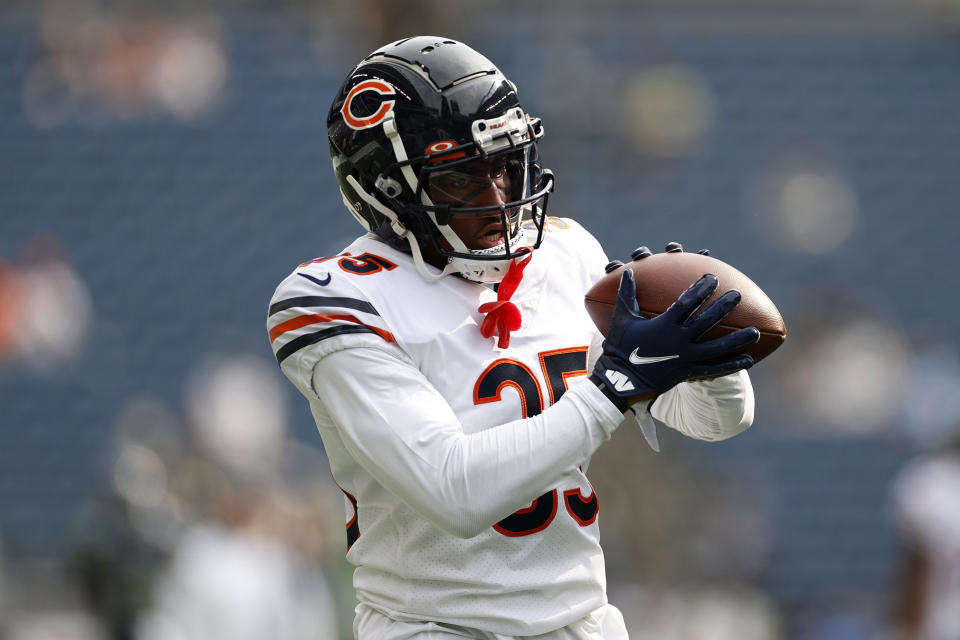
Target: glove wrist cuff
621 402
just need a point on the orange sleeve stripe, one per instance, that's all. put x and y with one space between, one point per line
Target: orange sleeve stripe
316 318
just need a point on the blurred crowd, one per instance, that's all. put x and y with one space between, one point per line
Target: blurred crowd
215 520
45 307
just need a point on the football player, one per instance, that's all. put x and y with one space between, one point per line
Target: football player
457 382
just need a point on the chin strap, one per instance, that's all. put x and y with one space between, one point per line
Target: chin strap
397 227
503 316
419 263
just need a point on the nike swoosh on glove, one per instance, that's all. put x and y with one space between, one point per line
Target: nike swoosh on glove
651 355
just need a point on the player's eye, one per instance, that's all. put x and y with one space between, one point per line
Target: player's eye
453 181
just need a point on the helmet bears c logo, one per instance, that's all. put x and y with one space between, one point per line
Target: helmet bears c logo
386 106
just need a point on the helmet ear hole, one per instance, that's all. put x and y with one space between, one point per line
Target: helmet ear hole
388 186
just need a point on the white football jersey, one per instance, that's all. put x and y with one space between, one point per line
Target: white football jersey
460 462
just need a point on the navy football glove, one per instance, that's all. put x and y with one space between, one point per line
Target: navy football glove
646 357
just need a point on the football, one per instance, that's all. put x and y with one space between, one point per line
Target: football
662 277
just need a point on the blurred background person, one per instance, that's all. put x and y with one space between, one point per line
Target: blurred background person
925 512
234 578
214 522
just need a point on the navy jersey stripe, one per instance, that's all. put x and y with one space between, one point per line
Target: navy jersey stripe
323 301
296 344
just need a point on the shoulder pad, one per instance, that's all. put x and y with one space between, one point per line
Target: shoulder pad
314 304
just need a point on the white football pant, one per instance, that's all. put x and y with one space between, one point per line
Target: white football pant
605 623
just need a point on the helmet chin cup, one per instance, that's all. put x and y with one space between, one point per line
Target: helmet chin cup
488 272
483 269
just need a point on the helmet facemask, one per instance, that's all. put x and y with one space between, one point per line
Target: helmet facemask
456 182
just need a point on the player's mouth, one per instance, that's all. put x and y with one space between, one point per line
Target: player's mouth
490 236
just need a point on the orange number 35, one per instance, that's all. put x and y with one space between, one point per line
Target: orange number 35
557 366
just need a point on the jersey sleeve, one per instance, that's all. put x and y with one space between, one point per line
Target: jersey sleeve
402 431
312 316
708 409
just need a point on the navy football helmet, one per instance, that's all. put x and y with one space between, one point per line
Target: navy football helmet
404 129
